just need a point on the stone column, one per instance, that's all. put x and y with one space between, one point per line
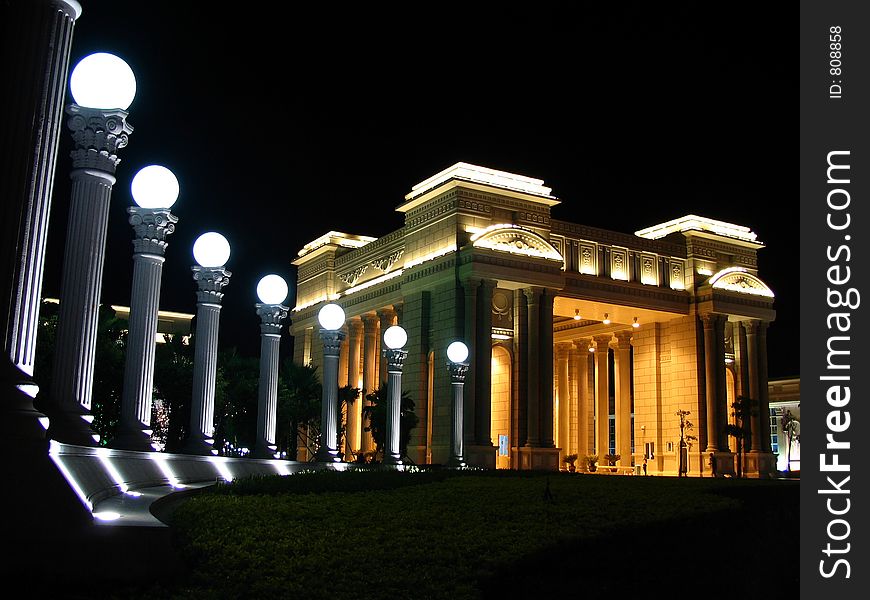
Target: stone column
150 226
546 358
328 451
342 359
602 394
271 316
483 374
582 394
387 318
36 42
562 377
533 299
721 384
623 396
395 360
457 437
471 338
370 358
763 391
210 281
98 135
711 355
354 419
751 328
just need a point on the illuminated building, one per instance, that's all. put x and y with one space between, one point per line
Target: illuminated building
582 340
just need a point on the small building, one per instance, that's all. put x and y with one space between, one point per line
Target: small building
582 340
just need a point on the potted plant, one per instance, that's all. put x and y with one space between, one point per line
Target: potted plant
592 462
612 459
569 460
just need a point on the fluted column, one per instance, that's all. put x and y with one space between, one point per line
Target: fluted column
751 328
623 396
470 288
354 417
150 227
483 375
370 358
562 377
98 135
271 317
36 40
711 355
602 396
395 360
546 357
458 372
342 360
386 317
581 379
328 451
721 384
533 300
763 399
210 282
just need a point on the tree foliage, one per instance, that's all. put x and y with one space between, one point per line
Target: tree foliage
376 415
299 397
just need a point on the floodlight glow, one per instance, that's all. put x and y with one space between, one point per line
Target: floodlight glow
331 317
395 337
107 515
457 352
154 186
103 81
272 289
220 464
211 250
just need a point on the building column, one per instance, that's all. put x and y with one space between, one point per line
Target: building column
387 318
546 356
533 434
271 316
370 365
470 288
721 385
581 380
711 356
623 396
343 358
562 378
763 390
520 385
483 375
602 393
354 328
751 328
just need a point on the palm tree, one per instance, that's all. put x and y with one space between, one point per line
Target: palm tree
791 427
741 410
376 415
685 438
299 397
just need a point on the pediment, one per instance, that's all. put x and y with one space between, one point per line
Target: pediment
515 240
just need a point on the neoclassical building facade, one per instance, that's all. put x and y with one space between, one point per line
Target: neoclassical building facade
582 340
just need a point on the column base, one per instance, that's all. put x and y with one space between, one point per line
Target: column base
527 459
266 451
481 456
724 465
759 465
71 427
328 456
199 445
457 462
132 438
392 459
20 420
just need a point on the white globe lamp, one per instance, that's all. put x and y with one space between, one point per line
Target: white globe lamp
331 317
154 186
457 352
395 337
103 81
211 250
272 289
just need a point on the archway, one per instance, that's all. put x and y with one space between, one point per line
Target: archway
501 405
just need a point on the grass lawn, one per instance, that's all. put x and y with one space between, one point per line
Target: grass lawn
488 535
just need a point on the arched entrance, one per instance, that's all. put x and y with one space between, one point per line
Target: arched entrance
501 405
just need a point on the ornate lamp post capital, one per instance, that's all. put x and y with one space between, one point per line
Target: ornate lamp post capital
98 134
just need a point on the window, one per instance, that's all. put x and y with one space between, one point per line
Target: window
774 431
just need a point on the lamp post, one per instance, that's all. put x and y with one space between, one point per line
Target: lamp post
395 338
103 87
155 190
271 290
457 354
211 251
331 318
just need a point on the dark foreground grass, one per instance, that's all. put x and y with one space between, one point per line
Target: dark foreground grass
482 535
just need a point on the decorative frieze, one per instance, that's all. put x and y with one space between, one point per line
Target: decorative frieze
385 263
351 277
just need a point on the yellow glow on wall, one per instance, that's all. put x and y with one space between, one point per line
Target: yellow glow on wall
371 282
305 305
339 239
484 175
506 237
738 279
694 222
432 256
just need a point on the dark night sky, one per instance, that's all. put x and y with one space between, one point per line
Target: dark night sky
282 123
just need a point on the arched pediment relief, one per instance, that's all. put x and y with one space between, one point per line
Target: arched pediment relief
738 279
514 239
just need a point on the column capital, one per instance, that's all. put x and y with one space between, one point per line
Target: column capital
354 326
489 283
562 349
331 341
457 371
388 312
271 316
711 320
752 326
211 281
369 320
150 228
395 359
623 339
582 345
533 293
602 342
98 135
